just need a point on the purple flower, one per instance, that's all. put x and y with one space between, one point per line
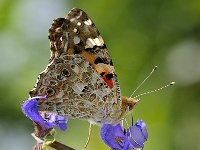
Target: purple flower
115 138
30 109
137 134
60 121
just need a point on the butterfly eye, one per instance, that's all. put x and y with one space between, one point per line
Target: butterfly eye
50 92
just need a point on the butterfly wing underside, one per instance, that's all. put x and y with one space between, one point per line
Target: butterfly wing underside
80 80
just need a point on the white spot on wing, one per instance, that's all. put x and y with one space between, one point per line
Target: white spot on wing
76 40
79 23
72 19
58 29
97 41
88 22
90 42
101 39
75 30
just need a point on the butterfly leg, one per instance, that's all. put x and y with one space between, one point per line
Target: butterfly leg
89 134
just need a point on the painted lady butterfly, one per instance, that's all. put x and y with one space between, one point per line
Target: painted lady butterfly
80 80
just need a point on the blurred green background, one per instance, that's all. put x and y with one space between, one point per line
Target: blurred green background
139 35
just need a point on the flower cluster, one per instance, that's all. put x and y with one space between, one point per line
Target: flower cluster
113 135
118 139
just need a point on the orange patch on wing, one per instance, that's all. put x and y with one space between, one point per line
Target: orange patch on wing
106 71
99 68
89 57
109 82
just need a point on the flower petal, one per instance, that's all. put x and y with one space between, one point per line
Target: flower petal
137 134
60 121
113 136
30 109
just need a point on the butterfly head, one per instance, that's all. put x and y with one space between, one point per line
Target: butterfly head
128 103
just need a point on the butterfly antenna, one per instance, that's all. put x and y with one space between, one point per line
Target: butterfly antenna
148 92
144 80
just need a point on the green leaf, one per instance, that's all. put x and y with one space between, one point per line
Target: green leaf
49 139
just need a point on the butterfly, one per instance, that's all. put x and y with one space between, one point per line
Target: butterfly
80 80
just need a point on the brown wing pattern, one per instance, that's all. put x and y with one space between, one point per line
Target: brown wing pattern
79 81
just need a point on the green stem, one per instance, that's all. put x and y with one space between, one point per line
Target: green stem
59 146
